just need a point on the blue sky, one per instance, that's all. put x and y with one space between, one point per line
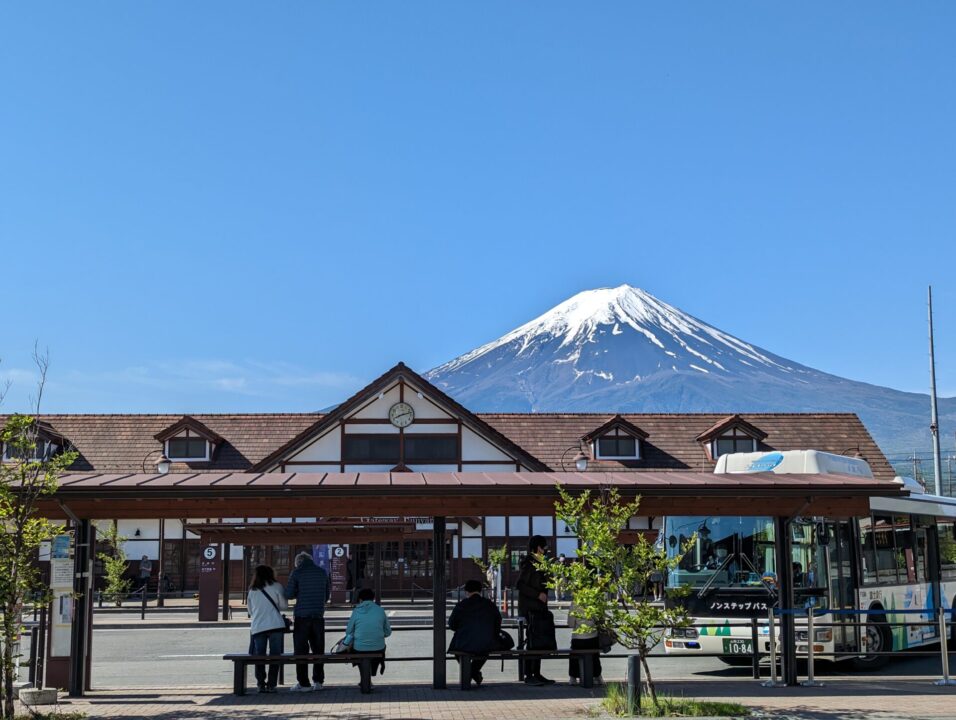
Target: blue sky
260 206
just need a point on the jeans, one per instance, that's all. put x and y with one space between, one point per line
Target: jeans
272 640
579 643
308 638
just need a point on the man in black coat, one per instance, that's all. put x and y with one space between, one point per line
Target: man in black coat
532 588
476 622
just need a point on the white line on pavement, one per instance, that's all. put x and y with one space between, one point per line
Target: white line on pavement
189 656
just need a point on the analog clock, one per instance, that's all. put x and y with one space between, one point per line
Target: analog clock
401 414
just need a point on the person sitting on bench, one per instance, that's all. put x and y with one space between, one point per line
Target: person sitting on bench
477 623
367 629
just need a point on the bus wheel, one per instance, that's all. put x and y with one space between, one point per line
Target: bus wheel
879 639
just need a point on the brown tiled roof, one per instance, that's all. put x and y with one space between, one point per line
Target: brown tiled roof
671 442
120 443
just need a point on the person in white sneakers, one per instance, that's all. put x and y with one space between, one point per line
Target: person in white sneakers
588 640
267 625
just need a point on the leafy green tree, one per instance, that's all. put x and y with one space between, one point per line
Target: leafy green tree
496 558
607 581
25 482
114 563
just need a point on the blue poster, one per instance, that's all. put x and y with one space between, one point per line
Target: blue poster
322 555
61 547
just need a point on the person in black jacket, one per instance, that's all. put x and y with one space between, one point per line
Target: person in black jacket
477 623
532 588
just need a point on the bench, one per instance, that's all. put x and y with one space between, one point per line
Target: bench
585 657
241 663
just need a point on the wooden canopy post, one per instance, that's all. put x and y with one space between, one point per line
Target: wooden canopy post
788 635
439 680
80 641
226 579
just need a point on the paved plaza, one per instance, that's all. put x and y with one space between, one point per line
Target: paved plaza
850 700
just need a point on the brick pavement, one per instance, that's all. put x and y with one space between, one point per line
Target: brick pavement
848 700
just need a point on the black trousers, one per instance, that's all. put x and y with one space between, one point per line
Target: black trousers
574 664
540 637
308 637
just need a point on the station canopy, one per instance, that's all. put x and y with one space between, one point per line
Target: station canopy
449 494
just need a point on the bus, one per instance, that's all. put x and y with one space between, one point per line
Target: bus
900 557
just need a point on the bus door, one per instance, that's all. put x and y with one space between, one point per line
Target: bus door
842 584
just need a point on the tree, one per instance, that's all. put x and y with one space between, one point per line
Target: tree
24 482
114 563
605 581
496 558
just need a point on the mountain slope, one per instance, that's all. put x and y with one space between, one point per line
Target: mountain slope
622 349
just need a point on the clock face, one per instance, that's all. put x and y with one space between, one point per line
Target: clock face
401 414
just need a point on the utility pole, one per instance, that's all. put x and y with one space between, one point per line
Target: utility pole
934 423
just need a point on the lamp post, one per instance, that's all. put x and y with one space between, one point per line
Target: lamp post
162 463
580 460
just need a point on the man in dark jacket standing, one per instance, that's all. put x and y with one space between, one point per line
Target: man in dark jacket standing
309 586
532 588
477 623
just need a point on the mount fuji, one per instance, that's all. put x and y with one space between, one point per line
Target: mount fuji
623 350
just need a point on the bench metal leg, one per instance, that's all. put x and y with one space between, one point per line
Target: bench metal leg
365 675
587 670
465 672
239 677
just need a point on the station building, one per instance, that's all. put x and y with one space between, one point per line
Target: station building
402 423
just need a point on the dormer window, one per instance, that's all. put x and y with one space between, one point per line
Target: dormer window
44 449
187 447
188 440
731 434
617 439
734 441
617 447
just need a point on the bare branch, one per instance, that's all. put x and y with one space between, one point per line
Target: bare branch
42 362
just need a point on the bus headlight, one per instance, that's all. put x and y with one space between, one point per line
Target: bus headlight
686 633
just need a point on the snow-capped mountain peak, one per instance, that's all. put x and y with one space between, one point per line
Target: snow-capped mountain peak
622 349
584 318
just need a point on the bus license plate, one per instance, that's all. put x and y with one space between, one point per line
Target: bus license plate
733 646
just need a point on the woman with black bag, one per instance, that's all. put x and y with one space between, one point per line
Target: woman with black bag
267 623
532 589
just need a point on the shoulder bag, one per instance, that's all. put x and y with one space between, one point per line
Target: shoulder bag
286 621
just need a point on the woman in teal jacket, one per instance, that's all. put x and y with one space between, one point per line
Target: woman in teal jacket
368 627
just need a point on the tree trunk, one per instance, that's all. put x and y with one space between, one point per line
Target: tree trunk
647 678
9 637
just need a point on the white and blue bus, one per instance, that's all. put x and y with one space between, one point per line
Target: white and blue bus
901 557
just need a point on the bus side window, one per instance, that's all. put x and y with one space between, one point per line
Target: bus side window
885 542
868 551
947 551
905 549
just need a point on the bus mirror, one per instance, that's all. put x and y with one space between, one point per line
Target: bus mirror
672 540
823 534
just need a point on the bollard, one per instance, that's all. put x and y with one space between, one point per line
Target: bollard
772 632
521 646
755 642
944 650
142 611
811 637
633 684
34 647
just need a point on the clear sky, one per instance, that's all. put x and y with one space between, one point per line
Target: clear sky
216 206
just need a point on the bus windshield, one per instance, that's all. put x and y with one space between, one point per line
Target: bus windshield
738 552
727 551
